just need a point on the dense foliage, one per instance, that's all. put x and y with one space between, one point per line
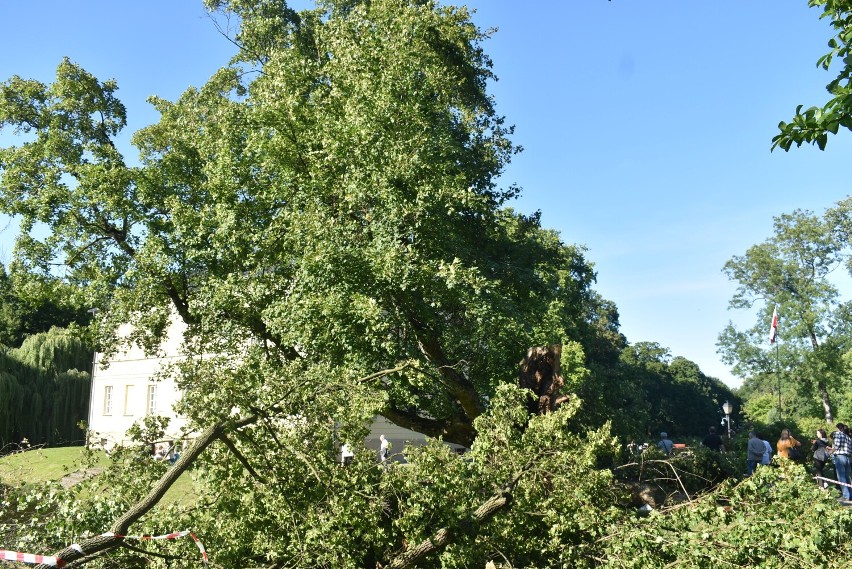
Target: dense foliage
777 518
336 208
44 389
31 303
791 273
362 514
324 217
670 394
794 272
814 124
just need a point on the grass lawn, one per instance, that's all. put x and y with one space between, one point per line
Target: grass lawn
41 465
52 464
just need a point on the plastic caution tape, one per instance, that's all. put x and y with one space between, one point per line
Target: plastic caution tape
55 561
31 558
832 481
173 535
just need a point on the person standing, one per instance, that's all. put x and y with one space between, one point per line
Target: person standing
754 451
821 448
713 441
665 444
786 443
842 444
346 454
384 448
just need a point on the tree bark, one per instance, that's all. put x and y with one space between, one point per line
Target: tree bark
821 388
453 430
445 536
458 384
826 402
541 373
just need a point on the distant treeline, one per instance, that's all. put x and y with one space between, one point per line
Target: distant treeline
44 388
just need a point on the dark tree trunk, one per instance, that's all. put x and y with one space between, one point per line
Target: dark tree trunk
541 373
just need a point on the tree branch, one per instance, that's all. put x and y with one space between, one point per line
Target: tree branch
236 452
457 430
445 536
383 373
103 543
458 385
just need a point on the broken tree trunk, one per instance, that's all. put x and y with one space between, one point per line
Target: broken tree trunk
540 373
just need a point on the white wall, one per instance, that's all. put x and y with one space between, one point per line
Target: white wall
129 375
398 436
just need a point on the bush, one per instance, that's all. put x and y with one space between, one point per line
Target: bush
776 518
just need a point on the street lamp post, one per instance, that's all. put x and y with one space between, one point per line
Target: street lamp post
727 408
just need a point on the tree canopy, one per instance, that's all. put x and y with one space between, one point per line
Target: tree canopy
32 304
790 272
324 216
44 389
327 200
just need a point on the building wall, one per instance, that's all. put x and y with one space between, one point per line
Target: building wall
127 381
399 437
130 375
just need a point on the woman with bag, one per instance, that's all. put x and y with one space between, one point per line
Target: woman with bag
822 450
788 446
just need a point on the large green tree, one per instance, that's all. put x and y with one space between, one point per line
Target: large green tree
44 389
31 303
324 217
790 272
338 205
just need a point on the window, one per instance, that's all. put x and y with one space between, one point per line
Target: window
128 397
108 400
152 399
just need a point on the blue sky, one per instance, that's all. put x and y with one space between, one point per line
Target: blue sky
646 127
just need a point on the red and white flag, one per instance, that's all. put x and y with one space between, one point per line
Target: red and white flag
773 329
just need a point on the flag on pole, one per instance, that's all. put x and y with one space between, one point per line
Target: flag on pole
773 329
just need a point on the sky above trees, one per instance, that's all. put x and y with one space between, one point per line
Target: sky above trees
646 127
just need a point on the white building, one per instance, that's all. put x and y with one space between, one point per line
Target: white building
129 388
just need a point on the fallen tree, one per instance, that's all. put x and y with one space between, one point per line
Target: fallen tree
497 468
325 206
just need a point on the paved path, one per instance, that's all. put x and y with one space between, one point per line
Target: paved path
76 477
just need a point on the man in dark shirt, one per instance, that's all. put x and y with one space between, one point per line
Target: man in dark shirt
713 441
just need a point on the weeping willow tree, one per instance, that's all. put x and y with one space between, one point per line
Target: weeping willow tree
43 395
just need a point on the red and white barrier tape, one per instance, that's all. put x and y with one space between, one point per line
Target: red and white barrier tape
832 481
173 535
31 558
55 561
